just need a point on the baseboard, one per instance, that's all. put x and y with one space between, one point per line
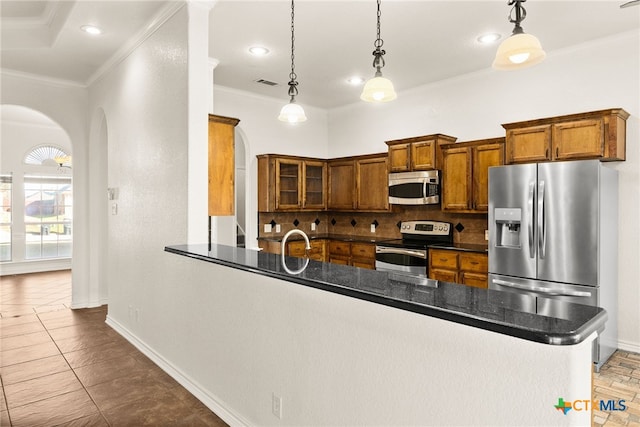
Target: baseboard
633 347
184 380
35 266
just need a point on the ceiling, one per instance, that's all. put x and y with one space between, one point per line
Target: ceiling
426 41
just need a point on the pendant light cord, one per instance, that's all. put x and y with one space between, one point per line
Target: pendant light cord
378 60
520 13
293 90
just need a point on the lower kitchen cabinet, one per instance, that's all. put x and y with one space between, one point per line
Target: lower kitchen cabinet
467 268
356 254
318 251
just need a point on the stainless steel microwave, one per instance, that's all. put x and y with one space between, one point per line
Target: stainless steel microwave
414 188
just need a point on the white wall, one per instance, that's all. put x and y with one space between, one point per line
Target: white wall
143 102
263 133
593 76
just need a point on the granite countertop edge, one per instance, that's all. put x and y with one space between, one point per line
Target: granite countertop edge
566 337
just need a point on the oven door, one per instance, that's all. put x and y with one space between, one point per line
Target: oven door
412 261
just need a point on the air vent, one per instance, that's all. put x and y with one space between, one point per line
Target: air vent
266 82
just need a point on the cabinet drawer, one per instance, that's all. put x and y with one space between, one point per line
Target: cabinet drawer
363 250
450 276
474 279
444 259
474 262
337 247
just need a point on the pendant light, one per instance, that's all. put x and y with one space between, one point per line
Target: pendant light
378 88
520 50
292 112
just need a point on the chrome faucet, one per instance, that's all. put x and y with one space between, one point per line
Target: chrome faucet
283 246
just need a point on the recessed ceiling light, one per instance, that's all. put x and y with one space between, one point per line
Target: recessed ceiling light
355 80
91 29
489 38
258 50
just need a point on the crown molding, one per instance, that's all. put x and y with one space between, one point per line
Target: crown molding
51 81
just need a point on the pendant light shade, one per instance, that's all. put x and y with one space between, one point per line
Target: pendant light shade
292 112
521 50
378 88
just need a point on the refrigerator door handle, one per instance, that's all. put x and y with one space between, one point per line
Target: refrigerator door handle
532 246
541 290
542 238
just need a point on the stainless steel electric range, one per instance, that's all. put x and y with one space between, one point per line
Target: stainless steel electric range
409 254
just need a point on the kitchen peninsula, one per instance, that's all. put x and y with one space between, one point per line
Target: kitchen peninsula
344 345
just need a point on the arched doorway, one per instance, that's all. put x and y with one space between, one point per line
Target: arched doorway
36 223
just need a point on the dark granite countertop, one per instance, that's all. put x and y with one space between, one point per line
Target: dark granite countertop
490 310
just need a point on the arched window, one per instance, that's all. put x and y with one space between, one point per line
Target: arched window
48 155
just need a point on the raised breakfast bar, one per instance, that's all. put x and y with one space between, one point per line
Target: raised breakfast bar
340 345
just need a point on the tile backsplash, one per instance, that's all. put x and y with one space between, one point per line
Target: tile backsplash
472 226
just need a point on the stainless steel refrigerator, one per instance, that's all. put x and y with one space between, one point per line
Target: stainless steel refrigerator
553 236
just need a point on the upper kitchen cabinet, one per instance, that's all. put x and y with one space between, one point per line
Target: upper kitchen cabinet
221 165
593 135
416 154
359 183
465 174
291 183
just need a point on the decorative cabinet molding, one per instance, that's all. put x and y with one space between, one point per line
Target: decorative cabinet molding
417 153
221 174
465 174
592 135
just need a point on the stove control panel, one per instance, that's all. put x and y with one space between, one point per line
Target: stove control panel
426 228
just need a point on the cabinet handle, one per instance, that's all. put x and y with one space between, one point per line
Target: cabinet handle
546 153
557 152
474 263
443 259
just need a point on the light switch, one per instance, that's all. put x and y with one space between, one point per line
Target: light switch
277 228
114 208
267 228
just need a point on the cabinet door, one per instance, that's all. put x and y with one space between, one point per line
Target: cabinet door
582 139
221 163
288 184
315 174
484 156
342 182
450 276
456 179
423 155
477 280
528 145
399 157
372 184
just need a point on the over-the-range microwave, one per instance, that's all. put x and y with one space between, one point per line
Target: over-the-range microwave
414 188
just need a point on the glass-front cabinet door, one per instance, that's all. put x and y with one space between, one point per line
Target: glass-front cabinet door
288 184
314 185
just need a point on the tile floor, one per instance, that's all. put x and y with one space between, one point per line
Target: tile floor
62 367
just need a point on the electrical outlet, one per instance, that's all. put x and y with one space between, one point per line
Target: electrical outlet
278 228
486 234
137 315
313 226
114 208
373 228
276 405
267 228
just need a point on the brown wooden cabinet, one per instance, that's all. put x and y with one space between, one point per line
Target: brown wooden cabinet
372 183
291 183
356 254
417 153
221 189
467 268
318 251
465 174
593 135
359 183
